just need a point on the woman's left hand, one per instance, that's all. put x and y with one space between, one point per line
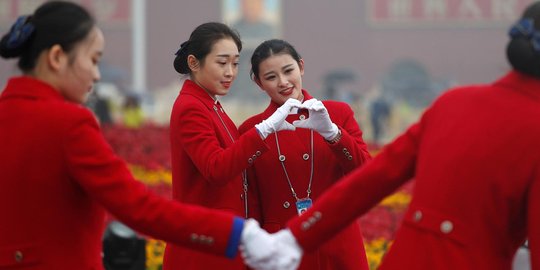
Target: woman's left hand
318 120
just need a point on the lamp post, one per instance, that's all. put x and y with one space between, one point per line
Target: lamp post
138 29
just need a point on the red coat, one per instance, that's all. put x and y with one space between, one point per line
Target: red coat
476 160
58 176
271 191
207 167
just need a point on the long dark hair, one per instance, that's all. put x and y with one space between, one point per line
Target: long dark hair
200 44
55 22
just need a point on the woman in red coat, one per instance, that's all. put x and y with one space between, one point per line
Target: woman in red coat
208 155
58 175
476 160
302 164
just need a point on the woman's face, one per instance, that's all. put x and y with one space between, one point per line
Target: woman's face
219 68
81 69
280 76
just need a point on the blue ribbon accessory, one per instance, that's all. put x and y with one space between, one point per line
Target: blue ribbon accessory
20 32
525 28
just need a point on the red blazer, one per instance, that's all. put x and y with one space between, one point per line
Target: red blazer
272 202
58 175
474 155
207 166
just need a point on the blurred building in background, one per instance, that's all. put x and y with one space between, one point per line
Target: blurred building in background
408 50
387 58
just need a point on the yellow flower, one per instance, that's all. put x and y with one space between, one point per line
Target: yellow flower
151 177
375 251
154 254
399 200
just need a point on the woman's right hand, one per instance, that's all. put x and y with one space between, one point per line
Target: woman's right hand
276 121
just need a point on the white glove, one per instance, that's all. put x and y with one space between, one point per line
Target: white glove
289 252
276 121
318 120
262 251
258 248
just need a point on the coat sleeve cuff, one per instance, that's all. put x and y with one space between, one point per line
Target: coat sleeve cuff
234 239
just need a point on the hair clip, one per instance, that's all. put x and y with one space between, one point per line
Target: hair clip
20 32
535 41
525 28
522 28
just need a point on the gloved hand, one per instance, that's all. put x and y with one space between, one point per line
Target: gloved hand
289 252
318 120
262 251
258 248
276 121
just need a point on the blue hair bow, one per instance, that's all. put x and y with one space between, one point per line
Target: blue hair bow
525 28
20 32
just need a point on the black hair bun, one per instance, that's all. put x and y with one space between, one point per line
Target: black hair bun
180 61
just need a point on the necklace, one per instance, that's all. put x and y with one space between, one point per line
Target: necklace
301 204
244 177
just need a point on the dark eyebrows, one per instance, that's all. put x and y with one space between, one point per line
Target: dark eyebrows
228 55
287 66
284 67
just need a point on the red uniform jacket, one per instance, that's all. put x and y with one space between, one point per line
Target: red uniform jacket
272 196
207 166
476 160
57 177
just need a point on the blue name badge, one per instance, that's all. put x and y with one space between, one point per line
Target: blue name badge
303 205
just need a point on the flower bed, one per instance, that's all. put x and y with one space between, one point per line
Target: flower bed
147 151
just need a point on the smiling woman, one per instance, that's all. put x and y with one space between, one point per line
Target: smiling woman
300 165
